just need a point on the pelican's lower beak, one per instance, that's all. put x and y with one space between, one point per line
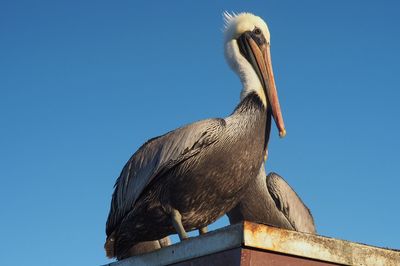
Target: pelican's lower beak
259 57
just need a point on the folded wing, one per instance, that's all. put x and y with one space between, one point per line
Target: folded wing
154 158
290 204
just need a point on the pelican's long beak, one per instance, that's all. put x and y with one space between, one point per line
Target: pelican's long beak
259 57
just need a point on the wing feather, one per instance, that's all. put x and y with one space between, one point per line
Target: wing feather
154 158
290 204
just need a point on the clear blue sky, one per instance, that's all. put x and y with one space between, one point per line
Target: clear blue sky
84 83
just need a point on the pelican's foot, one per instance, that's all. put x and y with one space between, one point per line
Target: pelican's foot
176 218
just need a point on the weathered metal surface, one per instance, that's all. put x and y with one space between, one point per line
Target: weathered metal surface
223 239
266 240
251 257
317 247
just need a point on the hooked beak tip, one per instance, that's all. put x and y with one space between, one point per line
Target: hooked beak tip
282 133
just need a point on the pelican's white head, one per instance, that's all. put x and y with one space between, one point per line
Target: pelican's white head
237 24
247 50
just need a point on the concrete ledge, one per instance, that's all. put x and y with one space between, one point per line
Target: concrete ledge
263 243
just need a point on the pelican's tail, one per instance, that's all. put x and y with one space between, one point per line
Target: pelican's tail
109 246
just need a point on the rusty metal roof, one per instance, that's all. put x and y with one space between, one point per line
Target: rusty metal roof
268 239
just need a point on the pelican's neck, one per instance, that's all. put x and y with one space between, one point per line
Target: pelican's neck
248 77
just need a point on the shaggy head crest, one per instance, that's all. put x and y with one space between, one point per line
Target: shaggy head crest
236 24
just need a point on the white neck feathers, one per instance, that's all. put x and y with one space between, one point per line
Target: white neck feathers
246 73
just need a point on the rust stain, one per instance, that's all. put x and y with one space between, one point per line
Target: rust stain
252 228
259 232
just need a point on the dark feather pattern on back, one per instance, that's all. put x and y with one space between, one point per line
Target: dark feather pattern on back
154 158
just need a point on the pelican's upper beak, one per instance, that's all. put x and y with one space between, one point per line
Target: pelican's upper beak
257 52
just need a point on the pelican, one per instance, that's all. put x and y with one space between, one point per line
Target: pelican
191 176
270 200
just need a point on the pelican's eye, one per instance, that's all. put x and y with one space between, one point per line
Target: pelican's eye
257 31
258 36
